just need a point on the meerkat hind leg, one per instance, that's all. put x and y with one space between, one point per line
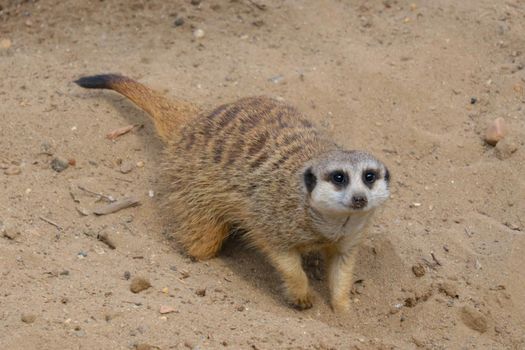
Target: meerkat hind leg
203 240
296 289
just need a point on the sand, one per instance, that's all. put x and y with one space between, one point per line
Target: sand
416 83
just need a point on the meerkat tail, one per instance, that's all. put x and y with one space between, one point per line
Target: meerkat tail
167 114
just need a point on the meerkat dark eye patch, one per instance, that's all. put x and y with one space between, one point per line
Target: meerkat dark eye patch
310 180
387 175
369 177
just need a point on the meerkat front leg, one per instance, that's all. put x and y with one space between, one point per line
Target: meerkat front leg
295 281
340 274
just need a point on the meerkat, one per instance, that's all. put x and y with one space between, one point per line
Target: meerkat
259 165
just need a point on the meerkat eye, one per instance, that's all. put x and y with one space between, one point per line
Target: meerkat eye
338 177
369 176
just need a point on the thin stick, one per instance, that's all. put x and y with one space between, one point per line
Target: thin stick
435 259
109 198
51 223
116 206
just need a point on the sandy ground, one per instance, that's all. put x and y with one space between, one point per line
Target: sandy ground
414 82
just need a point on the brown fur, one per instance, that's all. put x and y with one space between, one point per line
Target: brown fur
167 114
241 165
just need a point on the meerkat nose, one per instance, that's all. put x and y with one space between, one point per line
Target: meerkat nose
359 201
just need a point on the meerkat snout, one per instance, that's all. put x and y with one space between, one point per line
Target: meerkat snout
359 201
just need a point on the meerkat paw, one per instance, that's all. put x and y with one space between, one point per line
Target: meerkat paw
303 302
341 305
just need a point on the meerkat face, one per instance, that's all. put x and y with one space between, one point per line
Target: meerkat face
345 182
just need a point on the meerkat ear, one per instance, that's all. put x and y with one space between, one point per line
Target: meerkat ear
309 180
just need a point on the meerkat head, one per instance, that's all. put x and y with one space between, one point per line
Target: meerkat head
346 182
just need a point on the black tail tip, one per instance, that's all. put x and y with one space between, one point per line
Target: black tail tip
101 81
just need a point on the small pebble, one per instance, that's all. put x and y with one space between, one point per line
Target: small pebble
28 318
82 254
5 43
59 164
8 231
201 292
151 194
127 275
496 131
165 309
138 284
198 33
473 100
196 2
140 164
126 167
418 270
178 21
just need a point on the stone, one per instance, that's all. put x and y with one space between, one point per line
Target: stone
139 284
5 43
166 309
59 164
28 318
178 21
418 270
8 231
126 167
496 131
198 33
